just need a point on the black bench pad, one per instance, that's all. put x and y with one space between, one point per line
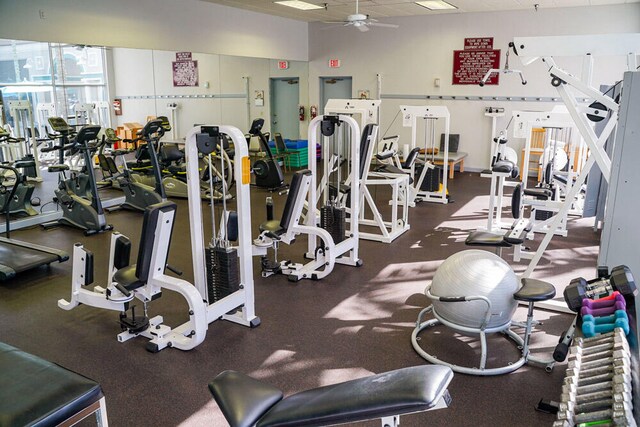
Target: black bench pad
486 238
535 290
36 392
242 399
391 393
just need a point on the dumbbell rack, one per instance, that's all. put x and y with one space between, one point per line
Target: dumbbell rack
597 388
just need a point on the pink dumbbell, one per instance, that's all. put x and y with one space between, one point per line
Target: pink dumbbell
604 311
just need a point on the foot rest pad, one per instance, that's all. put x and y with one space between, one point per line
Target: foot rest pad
398 392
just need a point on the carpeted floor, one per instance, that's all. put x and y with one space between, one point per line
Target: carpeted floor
356 322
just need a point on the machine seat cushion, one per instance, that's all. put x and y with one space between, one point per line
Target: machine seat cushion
503 166
485 238
36 392
242 399
393 169
126 276
535 290
24 164
538 192
58 168
398 392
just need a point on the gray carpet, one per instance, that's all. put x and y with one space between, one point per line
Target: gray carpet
354 323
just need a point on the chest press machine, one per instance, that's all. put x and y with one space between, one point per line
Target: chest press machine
332 237
146 279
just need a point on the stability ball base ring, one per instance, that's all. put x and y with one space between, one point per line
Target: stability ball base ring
482 371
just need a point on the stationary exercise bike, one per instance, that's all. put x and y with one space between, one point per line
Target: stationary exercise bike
267 171
77 211
139 196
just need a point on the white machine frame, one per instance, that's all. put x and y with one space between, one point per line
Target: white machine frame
237 307
346 252
386 230
532 48
410 116
18 110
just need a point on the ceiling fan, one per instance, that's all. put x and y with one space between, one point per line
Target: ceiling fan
360 21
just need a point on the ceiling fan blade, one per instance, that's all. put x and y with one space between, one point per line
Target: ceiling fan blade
363 28
334 22
379 24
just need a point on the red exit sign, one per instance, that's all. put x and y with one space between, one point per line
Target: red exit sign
283 65
334 63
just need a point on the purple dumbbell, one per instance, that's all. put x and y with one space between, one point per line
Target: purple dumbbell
603 311
603 302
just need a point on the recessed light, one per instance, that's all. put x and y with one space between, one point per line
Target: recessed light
302 5
436 5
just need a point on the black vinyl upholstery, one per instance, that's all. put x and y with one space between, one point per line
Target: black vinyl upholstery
136 275
245 401
36 392
365 145
486 238
294 189
242 399
535 290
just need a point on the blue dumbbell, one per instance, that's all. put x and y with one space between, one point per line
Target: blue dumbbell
591 326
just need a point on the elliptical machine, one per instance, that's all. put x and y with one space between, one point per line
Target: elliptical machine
78 211
267 171
139 196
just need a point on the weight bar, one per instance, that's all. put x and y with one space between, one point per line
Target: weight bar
605 385
619 375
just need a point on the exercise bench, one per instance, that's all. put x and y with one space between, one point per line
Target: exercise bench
35 392
247 402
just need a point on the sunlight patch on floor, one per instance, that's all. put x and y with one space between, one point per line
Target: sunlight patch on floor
333 376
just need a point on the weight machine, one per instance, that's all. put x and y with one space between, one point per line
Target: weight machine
432 190
380 230
338 234
212 298
529 49
24 127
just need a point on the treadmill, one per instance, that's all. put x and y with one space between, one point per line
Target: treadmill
17 256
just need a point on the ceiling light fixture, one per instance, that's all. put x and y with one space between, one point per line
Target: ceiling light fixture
302 5
436 5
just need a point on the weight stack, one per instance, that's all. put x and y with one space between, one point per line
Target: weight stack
223 272
542 215
334 220
432 179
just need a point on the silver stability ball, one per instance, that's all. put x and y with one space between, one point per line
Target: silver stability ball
475 273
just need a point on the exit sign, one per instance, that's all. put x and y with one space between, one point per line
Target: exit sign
334 63
283 65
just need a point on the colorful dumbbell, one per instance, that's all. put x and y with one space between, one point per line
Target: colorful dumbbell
596 325
604 310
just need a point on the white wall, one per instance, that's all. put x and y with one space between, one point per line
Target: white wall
411 57
180 25
141 72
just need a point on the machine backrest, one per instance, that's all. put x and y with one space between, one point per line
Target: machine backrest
280 145
294 189
170 153
148 238
365 145
413 155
